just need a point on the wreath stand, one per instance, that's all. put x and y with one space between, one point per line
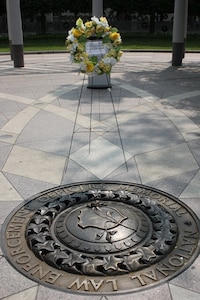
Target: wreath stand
95 47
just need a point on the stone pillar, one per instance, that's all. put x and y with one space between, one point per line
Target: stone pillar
178 32
15 25
97 8
9 31
186 23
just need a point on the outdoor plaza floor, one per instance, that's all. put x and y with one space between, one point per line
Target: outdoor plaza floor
158 112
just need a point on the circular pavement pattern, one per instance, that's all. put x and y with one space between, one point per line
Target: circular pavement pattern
101 237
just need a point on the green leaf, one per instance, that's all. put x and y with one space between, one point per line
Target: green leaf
114 29
93 59
106 39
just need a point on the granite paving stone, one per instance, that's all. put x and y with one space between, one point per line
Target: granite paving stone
174 185
165 162
158 114
7 191
11 281
161 292
92 157
49 166
4 152
51 294
178 293
194 146
27 294
189 279
6 207
27 187
192 189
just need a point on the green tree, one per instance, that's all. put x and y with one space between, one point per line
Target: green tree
153 8
123 8
31 8
194 7
78 6
2 7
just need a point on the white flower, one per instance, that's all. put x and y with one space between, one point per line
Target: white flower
70 36
96 20
82 67
104 22
110 60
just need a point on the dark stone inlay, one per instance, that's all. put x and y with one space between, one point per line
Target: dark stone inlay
102 237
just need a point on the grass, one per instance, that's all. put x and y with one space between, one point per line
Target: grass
133 41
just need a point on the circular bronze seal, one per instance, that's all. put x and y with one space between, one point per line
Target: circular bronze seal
101 237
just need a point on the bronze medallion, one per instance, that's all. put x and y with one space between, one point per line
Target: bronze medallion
101 237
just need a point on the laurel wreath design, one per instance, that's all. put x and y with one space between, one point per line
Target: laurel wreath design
41 241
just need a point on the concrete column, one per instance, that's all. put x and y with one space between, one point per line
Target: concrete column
15 27
178 32
186 23
9 31
97 8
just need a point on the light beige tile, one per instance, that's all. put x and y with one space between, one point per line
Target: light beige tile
52 96
29 294
35 164
8 137
7 191
129 114
70 115
181 121
101 158
192 190
16 98
183 294
17 123
167 162
190 135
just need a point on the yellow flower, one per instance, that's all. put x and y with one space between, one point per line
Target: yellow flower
114 36
76 33
107 29
82 29
119 54
101 64
90 32
112 52
106 68
89 24
80 48
77 57
117 42
85 55
99 28
103 20
69 47
89 67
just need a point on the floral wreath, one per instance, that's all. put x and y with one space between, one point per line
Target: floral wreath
106 37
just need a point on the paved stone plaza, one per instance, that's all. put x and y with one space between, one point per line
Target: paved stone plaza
158 113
